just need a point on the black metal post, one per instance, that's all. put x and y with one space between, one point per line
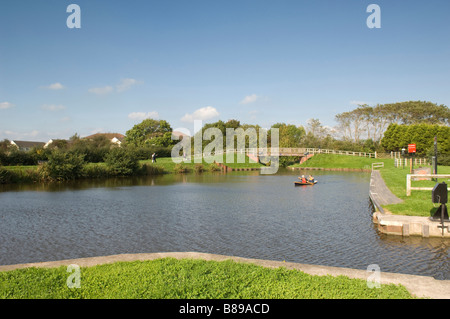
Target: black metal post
435 156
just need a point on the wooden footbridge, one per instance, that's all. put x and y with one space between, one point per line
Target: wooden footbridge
303 153
293 151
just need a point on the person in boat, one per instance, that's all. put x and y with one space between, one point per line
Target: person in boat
310 179
302 179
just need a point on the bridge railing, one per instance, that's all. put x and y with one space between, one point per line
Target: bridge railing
350 153
292 151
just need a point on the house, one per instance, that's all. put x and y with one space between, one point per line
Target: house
179 135
57 143
26 145
115 138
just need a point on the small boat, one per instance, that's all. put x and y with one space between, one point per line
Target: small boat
307 183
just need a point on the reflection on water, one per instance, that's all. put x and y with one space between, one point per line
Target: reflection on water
241 213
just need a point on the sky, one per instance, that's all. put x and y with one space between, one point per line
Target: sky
257 61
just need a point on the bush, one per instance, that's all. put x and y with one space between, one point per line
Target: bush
120 162
5 176
180 168
151 170
63 166
95 170
145 153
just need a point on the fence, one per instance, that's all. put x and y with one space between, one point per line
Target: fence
377 165
292 151
403 162
326 151
410 176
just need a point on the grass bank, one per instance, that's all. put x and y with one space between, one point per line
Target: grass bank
332 161
418 204
170 278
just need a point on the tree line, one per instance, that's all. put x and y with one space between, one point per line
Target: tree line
380 128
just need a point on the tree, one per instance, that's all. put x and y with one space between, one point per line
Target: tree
289 134
398 136
372 122
148 129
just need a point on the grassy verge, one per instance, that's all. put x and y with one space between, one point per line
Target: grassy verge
341 161
418 204
169 278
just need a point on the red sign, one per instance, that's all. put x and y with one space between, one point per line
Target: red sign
411 148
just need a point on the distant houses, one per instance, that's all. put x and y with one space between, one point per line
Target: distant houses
115 138
26 145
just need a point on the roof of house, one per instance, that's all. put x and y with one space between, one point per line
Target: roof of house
109 136
28 144
178 133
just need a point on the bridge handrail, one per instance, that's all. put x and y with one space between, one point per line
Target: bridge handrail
295 151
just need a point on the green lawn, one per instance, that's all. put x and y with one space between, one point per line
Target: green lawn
169 278
341 161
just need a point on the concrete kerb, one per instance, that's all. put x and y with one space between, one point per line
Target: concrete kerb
419 286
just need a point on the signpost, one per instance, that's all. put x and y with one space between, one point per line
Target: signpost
411 150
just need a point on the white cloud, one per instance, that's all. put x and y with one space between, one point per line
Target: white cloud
249 99
53 107
101 91
54 86
142 115
5 105
125 84
204 113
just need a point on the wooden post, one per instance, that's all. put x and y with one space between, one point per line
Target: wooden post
408 185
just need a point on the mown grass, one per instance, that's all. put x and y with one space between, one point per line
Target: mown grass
418 204
169 278
341 161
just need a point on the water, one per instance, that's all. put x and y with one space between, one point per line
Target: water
240 214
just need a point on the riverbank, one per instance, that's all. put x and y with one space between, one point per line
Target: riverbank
200 275
163 165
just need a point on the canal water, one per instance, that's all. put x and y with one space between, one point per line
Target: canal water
241 214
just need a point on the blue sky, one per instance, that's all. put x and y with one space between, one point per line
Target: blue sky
260 62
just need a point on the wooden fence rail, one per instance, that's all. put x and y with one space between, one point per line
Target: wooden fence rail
410 176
